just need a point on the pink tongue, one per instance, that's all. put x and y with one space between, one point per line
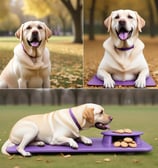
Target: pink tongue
35 44
123 35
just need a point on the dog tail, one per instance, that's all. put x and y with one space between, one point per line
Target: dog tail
4 147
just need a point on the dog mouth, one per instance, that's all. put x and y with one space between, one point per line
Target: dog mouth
102 126
34 42
123 34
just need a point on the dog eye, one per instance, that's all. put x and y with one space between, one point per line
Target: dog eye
28 27
130 17
101 112
39 27
117 17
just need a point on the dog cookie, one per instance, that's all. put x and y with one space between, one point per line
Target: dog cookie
132 144
117 144
124 144
119 131
127 130
128 139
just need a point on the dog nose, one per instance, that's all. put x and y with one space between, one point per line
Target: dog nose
122 22
110 118
34 33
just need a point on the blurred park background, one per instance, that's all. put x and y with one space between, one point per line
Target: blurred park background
64 18
95 32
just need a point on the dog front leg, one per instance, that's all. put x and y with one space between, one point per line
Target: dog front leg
65 140
46 82
141 80
86 140
22 83
106 77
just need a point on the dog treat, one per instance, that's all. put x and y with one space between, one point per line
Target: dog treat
132 144
117 144
119 131
124 144
128 139
122 131
127 130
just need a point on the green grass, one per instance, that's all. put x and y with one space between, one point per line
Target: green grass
66 60
141 118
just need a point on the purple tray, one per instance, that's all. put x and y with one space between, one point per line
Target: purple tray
94 81
100 145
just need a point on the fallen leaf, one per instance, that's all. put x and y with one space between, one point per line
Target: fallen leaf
107 160
136 161
98 161
11 157
40 159
65 156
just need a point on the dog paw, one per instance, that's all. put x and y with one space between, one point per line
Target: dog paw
23 152
109 83
140 83
27 154
40 143
86 140
73 144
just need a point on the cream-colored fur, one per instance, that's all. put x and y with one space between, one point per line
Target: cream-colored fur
120 64
55 128
30 66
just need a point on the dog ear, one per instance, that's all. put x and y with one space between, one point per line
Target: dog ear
88 114
48 32
19 33
141 22
107 22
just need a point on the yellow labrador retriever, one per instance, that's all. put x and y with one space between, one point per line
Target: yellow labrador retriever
30 66
57 128
123 58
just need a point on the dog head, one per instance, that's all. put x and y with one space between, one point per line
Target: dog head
95 115
33 33
124 24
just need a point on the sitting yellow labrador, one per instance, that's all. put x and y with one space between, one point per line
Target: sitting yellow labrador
123 58
57 128
30 66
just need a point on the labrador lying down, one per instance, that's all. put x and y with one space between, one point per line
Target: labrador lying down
30 66
123 59
60 127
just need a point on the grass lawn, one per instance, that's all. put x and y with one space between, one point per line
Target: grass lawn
140 118
66 59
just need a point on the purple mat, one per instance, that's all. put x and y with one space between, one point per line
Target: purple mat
100 145
97 82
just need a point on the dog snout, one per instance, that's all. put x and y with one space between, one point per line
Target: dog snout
122 22
110 118
35 33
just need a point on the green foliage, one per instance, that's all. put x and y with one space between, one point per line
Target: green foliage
4 9
43 9
10 23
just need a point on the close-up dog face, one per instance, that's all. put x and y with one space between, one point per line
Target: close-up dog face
33 33
124 23
95 115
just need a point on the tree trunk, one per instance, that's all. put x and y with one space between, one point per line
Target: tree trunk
77 23
152 17
91 21
76 14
